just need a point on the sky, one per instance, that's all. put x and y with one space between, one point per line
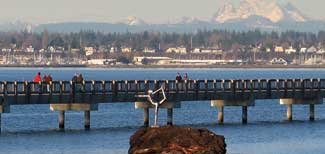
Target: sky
152 11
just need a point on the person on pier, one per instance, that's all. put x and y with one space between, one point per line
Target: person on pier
78 80
178 77
48 80
186 77
37 80
179 80
38 77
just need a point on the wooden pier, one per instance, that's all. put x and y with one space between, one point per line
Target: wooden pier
85 96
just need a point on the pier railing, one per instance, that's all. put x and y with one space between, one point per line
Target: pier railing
190 90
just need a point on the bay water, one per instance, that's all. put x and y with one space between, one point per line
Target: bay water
32 129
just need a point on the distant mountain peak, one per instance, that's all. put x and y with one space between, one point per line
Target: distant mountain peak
270 10
134 21
185 20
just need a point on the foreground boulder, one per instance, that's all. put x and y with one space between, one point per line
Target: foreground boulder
176 140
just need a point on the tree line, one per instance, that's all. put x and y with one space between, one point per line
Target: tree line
223 39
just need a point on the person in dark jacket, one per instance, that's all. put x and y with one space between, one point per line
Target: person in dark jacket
178 77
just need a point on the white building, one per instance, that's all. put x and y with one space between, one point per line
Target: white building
290 50
41 50
303 50
278 61
278 49
311 50
126 50
101 61
6 50
89 51
320 51
30 49
180 50
149 50
138 60
113 49
206 50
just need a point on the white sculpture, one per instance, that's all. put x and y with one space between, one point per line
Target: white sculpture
156 104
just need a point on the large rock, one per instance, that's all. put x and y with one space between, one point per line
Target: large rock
176 140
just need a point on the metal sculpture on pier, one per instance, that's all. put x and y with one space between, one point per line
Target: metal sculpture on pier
152 95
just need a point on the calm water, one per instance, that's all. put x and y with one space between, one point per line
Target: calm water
32 129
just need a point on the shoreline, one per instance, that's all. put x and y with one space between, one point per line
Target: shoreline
171 66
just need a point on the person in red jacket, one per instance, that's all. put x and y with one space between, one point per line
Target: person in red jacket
38 77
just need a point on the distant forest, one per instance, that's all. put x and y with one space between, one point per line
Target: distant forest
223 39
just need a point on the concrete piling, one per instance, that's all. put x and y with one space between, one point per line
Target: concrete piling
170 116
312 112
61 119
146 117
220 115
0 122
87 120
289 112
244 116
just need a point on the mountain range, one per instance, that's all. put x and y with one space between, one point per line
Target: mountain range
249 14
270 10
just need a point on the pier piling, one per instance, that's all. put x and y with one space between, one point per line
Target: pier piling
146 117
220 115
87 120
170 116
0 122
61 119
289 112
312 112
244 116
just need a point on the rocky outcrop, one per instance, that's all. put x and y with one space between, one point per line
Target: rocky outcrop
176 140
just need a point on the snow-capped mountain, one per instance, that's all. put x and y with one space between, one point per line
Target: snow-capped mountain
185 20
134 21
267 9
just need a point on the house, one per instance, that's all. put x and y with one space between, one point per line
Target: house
312 49
278 49
18 50
149 50
113 49
206 50
30 49
101 61
180 50
6 50
303 50
59 49
320 51
196 50
41 50
278 61
75 50
89 51
138 60
51 49
126 50
290 50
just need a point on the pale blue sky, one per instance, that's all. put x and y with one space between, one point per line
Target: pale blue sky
152 11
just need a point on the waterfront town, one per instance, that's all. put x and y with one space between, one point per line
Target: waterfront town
110 56
210 48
